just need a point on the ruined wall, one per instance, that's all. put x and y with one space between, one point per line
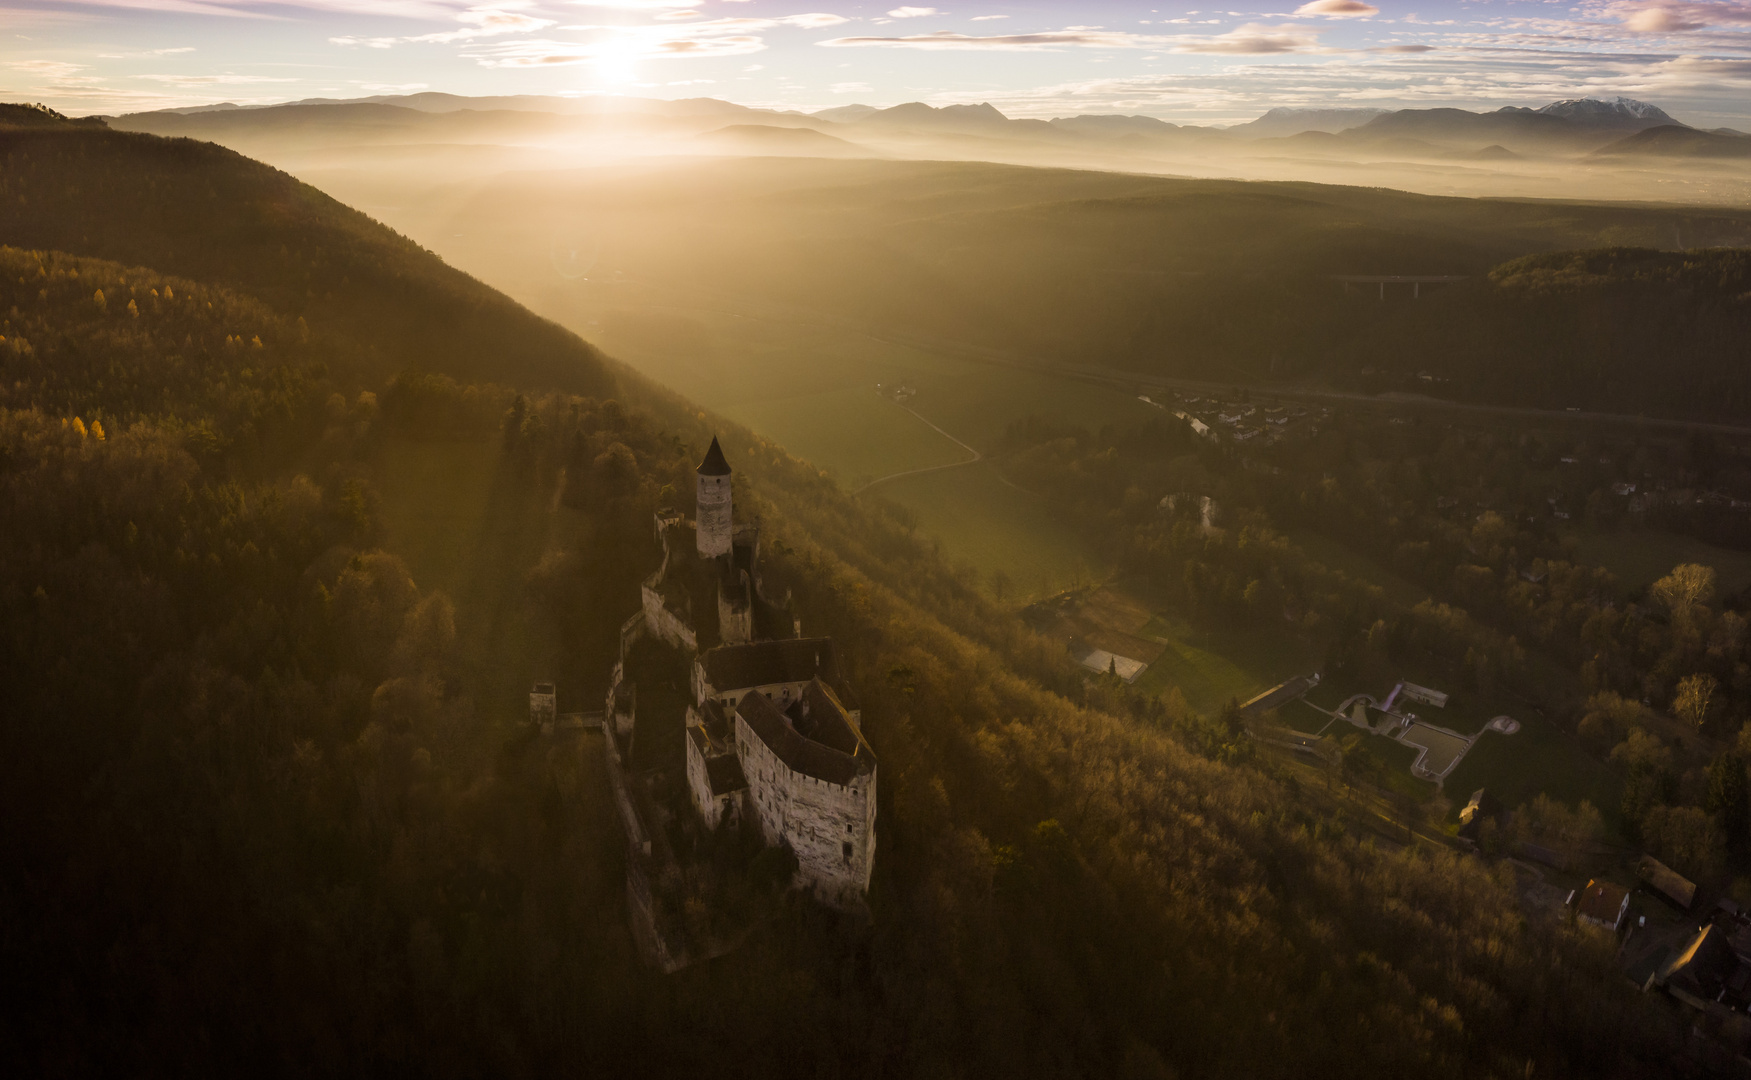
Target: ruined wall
830 827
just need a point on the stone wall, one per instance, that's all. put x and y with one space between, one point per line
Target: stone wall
735 613
665 624
830 827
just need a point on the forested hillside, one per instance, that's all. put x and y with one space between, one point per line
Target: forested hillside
254 815
202 212
1632 330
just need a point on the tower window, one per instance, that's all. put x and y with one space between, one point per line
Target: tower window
846 847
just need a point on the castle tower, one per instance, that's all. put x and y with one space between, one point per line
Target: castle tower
713 494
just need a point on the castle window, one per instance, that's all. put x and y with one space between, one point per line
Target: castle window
846 847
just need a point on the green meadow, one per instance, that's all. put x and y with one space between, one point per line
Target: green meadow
1639 557
1214 667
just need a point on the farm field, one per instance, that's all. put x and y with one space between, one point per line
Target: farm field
1641 557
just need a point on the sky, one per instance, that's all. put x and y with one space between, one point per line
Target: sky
1187 64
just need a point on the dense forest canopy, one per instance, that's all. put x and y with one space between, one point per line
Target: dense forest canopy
256 816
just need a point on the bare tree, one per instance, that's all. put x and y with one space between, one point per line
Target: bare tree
1695 695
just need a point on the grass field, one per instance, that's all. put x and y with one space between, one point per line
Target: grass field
855 434
1537 758
984 522
471 528
1212 667
1641 557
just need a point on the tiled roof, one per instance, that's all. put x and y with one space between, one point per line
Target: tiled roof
819 753
1602 901
763 663
714 463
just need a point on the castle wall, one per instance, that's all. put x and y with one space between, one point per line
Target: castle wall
830 827
735 615
665 624
781 694
709 807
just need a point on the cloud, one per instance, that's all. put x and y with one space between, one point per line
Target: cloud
1253 39
264 9
47 69
1666 18
191 81
950 40
813 21
988 18
628 44
1338 9
1250 39
478 22
912 12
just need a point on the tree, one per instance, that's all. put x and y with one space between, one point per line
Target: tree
1686 587
1695 695
1729 798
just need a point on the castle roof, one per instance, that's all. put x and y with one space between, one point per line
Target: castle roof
714 463
766 663
815 737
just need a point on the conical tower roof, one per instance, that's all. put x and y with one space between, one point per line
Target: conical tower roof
714 463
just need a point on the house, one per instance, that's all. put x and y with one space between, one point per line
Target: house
1482 807
1603 904
1666 881
1706 971
1424 695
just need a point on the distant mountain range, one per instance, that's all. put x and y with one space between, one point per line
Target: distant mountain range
1675 140
1573 126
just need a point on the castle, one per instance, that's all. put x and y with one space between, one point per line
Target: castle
772 735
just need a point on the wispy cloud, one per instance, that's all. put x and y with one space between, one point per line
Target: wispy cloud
1247 39
478 22
1337 9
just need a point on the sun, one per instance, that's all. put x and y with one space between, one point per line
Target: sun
616 62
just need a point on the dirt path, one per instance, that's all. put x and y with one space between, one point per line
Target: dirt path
975 459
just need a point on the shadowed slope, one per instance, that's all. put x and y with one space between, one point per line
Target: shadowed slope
206 213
